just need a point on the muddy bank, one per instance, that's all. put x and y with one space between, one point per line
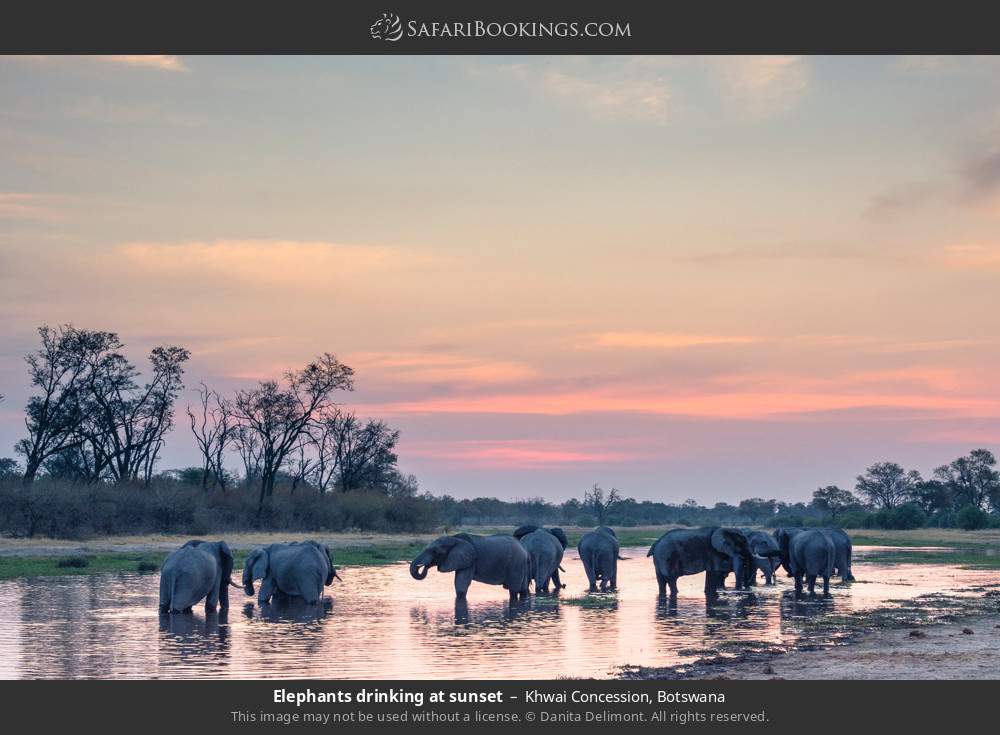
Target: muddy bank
932 637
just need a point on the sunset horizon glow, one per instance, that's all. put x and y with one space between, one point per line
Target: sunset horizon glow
709 278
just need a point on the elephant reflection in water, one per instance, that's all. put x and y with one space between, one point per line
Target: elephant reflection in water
194 636
289 609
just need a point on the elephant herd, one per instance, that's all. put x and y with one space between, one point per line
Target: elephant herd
530 556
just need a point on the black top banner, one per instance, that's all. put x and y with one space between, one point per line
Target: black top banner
452 27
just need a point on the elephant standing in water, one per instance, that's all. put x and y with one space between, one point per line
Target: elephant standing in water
766 556
495 559
808 553
844 550
297 569
598 551
713 550
545 546
198 569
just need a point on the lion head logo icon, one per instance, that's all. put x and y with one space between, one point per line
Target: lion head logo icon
387 28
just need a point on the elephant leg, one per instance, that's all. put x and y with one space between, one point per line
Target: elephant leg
672 582
661 582
591 577
164 594
798 583
557 580
187 610
267 591
212 599
710 583
826 586
614 576
463 578
811 579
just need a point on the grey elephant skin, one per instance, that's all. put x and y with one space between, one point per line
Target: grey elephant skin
199 569
545 547
844 550
599 552
765 557
296 569
497 559
807 553
713 550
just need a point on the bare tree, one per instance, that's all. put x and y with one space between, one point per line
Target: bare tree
213 433
301 461
279 414
601 506
324 437
125 423
248 446
60 370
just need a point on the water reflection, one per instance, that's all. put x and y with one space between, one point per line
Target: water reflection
385 625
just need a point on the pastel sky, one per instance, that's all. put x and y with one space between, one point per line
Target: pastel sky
685 277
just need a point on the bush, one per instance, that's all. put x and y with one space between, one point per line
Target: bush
855 519
971 518
61 509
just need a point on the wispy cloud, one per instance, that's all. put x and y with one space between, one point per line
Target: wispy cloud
162 62
977 257
266 261
612 88
20 205
418 367
519 453
667 341
765 85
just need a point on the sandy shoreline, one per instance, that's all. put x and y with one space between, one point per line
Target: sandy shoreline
155 543
968 648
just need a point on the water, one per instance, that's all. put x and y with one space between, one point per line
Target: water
382 624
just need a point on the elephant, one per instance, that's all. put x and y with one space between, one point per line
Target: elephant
296 569
808 553
764 559
713 550
842 542
545 546
198 569
598 551
497 559
842 562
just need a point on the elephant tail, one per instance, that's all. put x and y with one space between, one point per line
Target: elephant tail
561 568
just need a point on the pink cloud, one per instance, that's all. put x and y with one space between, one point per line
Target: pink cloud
518 453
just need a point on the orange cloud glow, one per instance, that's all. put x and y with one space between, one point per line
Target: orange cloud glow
532 454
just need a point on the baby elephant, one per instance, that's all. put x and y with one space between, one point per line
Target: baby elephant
197 570
297 569
495 559
545 546
598 551
809 553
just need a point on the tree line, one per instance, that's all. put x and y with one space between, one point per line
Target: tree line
93 421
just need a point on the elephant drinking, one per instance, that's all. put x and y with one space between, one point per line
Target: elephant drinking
497 559
713 550
296 569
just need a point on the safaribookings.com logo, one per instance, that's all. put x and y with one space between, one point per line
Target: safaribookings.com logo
387 28
390 28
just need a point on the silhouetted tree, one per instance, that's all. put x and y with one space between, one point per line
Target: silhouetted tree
887 485
276 416
213 433
834 500
595 503
972 479
59 371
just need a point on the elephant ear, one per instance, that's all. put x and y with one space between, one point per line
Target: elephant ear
561 535
461 555
723 541
523 531
329 562
257 566
225 559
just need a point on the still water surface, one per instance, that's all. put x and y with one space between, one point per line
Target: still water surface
382 624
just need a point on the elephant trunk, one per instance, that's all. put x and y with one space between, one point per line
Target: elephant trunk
422 564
